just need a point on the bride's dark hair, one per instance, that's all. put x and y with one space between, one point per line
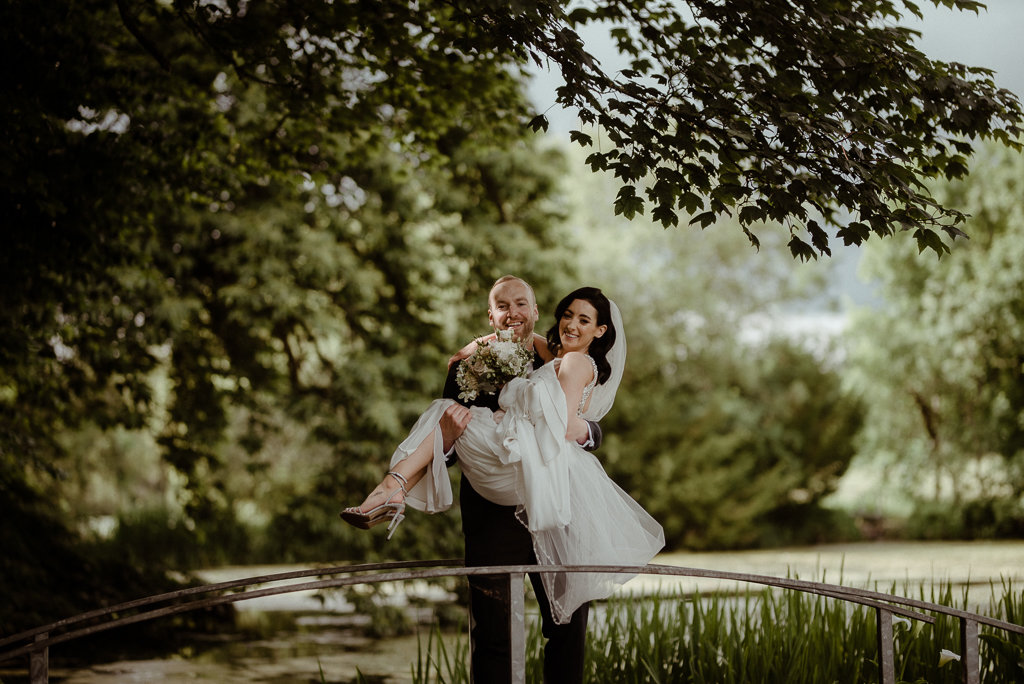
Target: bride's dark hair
599 346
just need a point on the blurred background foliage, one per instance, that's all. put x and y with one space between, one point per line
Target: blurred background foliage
223 300
941 366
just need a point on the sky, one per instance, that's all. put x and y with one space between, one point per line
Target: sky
992 39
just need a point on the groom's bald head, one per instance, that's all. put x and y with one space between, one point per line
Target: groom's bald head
512 305
511 279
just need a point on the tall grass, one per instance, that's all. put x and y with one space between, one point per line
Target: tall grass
435 663
768 636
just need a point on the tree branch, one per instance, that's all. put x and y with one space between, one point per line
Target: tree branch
135 29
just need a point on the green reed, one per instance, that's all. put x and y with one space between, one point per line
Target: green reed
774 636
444 660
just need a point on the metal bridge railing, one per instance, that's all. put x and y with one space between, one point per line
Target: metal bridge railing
36 643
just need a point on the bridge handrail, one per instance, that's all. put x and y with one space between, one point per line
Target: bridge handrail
221 586
886 605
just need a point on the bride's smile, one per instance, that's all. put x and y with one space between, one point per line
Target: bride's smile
578 326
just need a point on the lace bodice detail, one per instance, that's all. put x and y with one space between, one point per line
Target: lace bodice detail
588 389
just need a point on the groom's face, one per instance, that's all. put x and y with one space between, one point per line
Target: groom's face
511 306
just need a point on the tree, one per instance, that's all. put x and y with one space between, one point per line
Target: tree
810 114
940 364
123 116
729 438
204 245
150 148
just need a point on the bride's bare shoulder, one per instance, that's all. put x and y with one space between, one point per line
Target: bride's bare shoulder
577 365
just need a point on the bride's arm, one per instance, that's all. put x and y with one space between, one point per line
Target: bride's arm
574 373
540 345
468 350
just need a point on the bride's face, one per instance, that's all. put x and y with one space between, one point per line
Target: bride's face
578 326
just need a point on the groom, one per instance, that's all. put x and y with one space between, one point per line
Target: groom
494 536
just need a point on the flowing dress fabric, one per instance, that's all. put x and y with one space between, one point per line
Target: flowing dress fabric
433 493
482 457
575 513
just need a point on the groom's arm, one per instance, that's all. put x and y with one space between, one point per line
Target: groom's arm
594 439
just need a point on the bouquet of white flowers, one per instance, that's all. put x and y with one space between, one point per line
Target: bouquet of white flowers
491 365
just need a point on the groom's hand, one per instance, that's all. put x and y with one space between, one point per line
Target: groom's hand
453 423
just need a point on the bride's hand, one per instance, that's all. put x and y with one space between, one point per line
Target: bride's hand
462 353
465 352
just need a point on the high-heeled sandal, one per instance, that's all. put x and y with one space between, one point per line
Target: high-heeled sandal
389 510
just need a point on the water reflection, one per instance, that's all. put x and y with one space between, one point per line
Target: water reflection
278 647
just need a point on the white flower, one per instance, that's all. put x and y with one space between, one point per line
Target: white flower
946 656
491 365
505 351
900 620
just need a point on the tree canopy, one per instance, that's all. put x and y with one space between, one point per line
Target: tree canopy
216 209
126 121
940 363
821 116
729 435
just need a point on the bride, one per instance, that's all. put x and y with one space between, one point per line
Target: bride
521 456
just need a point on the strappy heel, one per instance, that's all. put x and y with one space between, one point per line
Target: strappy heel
387 511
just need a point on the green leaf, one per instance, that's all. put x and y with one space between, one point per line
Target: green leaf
819 238
801 250
581 138
750 214
627 203
539 123
705 219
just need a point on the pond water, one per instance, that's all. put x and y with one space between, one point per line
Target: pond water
328 653
306 638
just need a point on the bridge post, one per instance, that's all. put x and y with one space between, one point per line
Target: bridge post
39 662
886 649
971 660
517 627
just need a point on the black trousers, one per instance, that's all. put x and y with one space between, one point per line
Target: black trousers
495 537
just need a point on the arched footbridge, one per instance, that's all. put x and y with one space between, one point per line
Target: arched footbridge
35 644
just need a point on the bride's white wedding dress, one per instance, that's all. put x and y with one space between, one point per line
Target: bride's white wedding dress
575 513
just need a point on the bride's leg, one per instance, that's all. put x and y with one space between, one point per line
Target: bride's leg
412 468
